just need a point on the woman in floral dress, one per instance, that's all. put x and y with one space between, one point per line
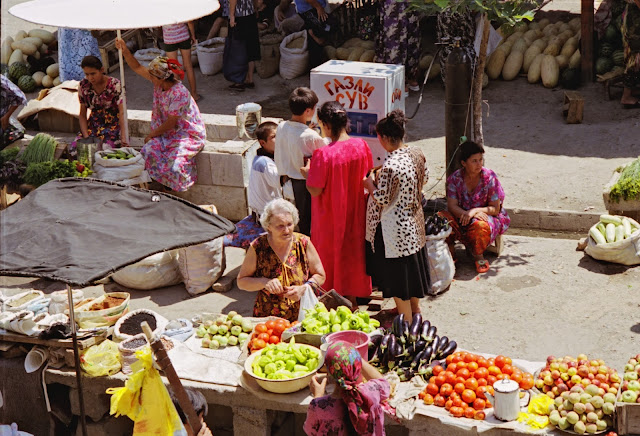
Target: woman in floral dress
103 96
281 264
358 402
177 130
475 201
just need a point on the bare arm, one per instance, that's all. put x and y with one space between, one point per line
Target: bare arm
482 213
232 12
82 119
322 15
169 124
131 61
247 282
192 32
369 372
316 271
314 191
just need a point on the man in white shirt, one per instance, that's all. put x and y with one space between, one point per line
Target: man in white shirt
264 181
295 143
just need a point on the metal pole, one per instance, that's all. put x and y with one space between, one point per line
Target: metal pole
457 103
124 92
76 355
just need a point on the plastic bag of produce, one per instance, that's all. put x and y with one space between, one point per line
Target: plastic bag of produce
146 55
441 266
294 61
307 302
201 265
118 164
156 271
145 400
626 251
102 359
103 311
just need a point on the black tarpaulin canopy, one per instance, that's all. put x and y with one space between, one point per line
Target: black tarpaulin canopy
78 231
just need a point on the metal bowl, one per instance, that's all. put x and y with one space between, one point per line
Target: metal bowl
282 386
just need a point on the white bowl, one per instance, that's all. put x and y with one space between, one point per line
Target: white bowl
283 386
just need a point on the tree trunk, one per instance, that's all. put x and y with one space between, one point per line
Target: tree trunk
477 83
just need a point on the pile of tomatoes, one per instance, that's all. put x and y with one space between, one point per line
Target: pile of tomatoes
461 387
268 332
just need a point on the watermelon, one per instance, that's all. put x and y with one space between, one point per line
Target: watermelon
618 58
27 83
612 35
570 78
606 50
17 70
603 65
4 70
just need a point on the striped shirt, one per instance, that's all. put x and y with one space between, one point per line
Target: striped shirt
175 33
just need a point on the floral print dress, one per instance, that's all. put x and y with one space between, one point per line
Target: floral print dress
294 271
170 158
73 45
104 120
399 40
487 190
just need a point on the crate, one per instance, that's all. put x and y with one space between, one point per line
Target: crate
573 107
52 120
627 418
109 52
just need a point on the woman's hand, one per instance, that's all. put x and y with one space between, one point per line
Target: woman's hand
121 45
148 138
232 21
204 430
295 293
370 183
465 218
317 385
305 169
274 287
482 216
322 14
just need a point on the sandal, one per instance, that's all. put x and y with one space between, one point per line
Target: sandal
237 87
482 266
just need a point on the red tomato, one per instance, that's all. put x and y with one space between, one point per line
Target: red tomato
264 336
274 339
259 344
261 328
270 332
270 324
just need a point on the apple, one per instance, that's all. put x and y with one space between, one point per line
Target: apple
597 401
593 370
595 382
591 428
601 425
629 367
583 371
576 379
544 373
630 376
539 383
634 385
563 367
550 359
551 395
614 378
629 396
562 388
608 408
555 374
565 376
605 387
572 371
563 424
580 427
579 408
555 391
609 398
573 364
548 380
574 397
582 356
572 417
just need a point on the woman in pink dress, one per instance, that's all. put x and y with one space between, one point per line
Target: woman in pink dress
338 206
177 130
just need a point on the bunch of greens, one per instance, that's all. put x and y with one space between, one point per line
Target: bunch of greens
38 174
628 185
9 153
11 172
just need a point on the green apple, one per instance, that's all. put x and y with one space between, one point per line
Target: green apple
629 396
572 417
579 408
601 425
630 376
580 427
608 408
563 424
634 385
591 428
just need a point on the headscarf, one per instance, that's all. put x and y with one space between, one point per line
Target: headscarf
164 68
344 364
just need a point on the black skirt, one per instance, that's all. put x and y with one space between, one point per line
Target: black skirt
401 277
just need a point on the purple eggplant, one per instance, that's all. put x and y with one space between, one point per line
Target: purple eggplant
396 325
431 333
374 346
427 354
416 360
384 343
444 341
449 349
414 330
435 344
424 330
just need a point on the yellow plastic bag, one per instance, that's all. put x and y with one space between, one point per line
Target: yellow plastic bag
533 420
102 359
539 404
145 400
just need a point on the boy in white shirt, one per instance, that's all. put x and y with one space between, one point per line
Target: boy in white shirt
295 143
264 181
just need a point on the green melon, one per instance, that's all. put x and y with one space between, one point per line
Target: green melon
27 83
603 65
570 78
606 50
618 58
17 70
4 69
612 34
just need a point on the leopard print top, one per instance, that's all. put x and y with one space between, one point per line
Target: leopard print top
396 203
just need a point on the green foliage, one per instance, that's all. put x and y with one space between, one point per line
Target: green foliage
9 153
628 185
38 174
511 12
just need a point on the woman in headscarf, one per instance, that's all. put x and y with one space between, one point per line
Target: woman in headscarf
177 130
355 407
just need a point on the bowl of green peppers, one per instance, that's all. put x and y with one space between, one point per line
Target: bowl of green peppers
285 367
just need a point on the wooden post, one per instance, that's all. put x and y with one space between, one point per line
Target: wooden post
586 40
478 135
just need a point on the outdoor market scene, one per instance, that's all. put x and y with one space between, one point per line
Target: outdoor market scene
320 217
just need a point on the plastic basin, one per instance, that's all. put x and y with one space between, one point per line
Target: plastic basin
358 339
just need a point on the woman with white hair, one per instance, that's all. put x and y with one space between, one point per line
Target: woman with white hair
281 264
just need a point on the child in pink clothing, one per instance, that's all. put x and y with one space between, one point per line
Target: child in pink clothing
356 405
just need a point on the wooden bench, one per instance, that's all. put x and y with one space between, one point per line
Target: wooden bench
573 107
109 52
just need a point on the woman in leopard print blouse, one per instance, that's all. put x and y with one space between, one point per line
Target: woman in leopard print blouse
396 245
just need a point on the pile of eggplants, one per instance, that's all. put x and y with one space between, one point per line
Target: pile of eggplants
436 224
409 350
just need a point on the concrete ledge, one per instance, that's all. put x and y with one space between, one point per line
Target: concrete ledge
560 220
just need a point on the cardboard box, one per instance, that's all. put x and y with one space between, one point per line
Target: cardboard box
368 91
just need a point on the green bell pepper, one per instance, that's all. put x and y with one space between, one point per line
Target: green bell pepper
312 364
270 368
290 364
320 307
333 316
336 328
363 315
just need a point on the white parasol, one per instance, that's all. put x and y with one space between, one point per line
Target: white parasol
113 14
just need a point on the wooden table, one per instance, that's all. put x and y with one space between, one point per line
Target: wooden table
84 341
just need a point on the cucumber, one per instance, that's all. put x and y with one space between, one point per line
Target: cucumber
627 227
601 228
597 236
606 219
610 233
619 233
